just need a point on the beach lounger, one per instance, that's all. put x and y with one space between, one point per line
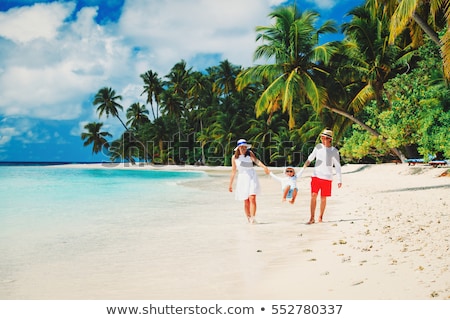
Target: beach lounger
412 162
438 163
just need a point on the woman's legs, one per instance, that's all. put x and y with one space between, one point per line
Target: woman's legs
247 208
250 208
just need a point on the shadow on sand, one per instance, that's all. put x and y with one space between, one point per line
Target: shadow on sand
361 168
444 186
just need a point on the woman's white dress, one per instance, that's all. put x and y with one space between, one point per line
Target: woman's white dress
247 180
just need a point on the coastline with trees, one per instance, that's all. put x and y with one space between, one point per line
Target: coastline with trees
383 90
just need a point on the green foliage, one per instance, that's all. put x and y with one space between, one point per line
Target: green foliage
281 106
419 114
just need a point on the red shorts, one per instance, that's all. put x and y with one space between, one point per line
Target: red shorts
320 184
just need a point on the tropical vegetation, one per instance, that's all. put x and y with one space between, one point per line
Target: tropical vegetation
383 90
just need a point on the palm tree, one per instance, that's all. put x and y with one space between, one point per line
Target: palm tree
95 136
368 64
125 148
372 60
178 78
200 100
226 73
137 115
161 132
421 12
105 99
175 97
222 132
292 42
153 88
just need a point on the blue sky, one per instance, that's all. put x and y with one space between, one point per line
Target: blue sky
56 55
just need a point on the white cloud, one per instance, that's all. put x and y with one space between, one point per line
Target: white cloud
324 4
39 21
50 77
15 127
180 29
52 65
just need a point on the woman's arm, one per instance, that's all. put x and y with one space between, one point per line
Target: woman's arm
233 173
259 163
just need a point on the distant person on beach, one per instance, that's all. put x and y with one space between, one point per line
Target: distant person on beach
288 184
247 184
326 157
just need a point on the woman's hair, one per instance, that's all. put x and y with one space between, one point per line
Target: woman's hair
238 152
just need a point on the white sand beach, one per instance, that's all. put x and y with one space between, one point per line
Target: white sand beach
385 235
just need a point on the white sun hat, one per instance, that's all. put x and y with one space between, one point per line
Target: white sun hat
242 142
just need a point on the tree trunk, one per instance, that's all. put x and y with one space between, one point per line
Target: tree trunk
372 131
427 29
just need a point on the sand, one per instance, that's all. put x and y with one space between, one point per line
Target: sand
385 236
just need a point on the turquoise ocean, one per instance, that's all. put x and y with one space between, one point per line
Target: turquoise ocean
39 197
96 233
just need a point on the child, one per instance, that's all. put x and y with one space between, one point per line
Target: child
288 184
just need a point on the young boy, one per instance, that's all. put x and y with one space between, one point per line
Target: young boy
288 184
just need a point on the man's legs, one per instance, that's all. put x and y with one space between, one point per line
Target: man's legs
324 187
323 204
313 205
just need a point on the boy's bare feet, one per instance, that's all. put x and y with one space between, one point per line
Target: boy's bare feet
310 222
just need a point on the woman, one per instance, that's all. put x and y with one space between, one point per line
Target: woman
247 184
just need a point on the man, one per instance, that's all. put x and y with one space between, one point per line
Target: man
326 157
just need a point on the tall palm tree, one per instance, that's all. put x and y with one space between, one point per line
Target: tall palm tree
292 42
226 73
419 14
178 78
161 132
201 99
125 148
373 61
153 88
175 97
105 100
223 131
137 115
369 62
95 136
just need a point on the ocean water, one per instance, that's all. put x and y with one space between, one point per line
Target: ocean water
77 233
42 196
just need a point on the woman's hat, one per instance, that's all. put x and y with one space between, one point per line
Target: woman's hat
327 133
242 142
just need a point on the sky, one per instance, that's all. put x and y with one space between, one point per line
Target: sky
56 55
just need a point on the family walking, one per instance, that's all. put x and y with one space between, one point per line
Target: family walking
326 158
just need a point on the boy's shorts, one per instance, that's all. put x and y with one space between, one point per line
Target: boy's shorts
290 193
324 186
